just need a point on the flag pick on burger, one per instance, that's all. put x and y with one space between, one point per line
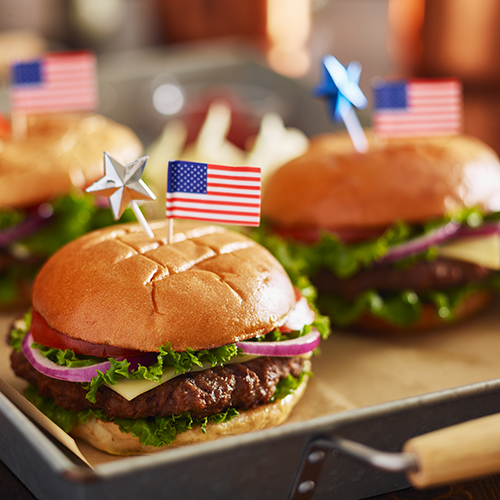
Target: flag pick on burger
213 193
56 83
122 184
417 107
340 88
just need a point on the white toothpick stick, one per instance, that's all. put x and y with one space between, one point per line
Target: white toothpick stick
354 129
141 219
170 230
19 125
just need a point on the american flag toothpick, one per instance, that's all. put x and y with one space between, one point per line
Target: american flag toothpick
419 107
213 193
58 82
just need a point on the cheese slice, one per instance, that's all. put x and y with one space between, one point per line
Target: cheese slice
131 388
482 250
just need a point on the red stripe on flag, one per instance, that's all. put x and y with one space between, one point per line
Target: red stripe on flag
176 200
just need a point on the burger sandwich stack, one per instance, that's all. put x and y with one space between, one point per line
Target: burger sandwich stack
42 205
402 237
135 345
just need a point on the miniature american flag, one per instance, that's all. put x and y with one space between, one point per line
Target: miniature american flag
65 81
417 107
214 193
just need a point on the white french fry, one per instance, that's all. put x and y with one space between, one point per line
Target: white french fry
275 145
211 145
214 129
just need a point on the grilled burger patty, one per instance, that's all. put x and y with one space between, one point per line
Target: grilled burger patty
237 385
423 275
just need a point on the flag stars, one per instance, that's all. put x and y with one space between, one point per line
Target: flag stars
188 178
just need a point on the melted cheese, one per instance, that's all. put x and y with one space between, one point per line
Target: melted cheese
130 388
482 250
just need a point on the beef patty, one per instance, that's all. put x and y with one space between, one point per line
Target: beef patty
423 275
237 385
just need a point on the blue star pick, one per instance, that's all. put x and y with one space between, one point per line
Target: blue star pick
340 87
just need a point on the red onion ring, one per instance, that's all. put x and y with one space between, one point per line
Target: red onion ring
421 243
485 229
82 374
294 347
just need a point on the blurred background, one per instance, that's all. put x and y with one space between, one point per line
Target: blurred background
165 59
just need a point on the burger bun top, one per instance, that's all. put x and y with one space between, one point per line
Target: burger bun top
60 153
334 187
207 288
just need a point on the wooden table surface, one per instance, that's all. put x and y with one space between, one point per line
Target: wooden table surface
487 488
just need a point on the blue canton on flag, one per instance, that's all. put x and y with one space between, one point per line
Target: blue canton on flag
28 73
391 95
187 177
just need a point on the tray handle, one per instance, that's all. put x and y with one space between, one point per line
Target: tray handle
463 451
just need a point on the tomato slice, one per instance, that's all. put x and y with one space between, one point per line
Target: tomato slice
45 335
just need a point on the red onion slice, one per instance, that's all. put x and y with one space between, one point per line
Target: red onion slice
82 374
421 243
486 229
294 347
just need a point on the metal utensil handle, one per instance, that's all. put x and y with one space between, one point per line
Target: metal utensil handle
316 452
463 451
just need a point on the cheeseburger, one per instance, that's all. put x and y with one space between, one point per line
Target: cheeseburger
404 236
41 202
135 345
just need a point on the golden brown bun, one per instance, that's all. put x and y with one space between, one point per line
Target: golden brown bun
429 318
208 288
60 152
334 187
107 436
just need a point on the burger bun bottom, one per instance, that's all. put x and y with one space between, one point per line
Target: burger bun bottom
106 436
429 318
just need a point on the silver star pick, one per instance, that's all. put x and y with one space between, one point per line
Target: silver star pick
122 184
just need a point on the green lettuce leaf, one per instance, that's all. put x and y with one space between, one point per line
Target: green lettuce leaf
10 217
75 214
66 357
288 385
400 309
301 261
17 334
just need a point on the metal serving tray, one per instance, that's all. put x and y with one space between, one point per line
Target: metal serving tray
263 464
